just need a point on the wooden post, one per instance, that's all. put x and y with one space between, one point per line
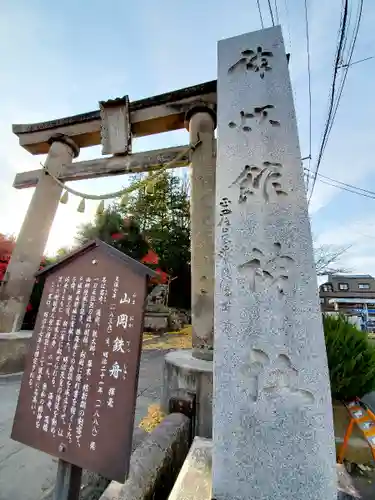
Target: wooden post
184 402
32 238
344 445
68 481
169 289
203 166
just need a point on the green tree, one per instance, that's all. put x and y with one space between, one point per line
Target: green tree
62 252
351 359
111 227
164 219
158 220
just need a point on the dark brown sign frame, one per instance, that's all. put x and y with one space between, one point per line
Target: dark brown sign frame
79 388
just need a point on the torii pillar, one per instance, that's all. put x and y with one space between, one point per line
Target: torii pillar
192 370
201 126
28 252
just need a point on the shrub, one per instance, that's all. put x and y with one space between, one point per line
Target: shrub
351 359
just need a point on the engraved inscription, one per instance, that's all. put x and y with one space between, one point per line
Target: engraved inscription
266 272
260 114
224 251
225 207
260 182
257 61
274 378
244 117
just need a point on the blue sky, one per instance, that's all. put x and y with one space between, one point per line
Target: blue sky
61 58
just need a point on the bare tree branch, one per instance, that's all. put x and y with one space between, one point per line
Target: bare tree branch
327 259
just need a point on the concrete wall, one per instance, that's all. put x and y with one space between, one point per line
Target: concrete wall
13 349
155 464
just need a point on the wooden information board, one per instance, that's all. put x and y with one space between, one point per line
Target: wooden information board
79 388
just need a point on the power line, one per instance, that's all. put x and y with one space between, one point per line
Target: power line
260 14
347 187
345 41
342 32
309 81
271 13
288 24
356 62
277 13
364 235
346 66
350 55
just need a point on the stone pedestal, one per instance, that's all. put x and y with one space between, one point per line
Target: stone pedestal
13 350
182 371
156 322
194 481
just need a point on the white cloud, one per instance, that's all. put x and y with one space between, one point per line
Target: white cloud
360 234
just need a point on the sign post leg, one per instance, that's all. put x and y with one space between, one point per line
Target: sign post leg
68 481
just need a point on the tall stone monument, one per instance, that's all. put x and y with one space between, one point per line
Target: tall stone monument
272 430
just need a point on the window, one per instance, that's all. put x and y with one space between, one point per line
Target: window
322 300
327 287
343 286
363 286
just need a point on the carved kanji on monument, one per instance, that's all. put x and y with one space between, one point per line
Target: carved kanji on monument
257 60
264 272
260 182
271 384
260 116
79 387
273 378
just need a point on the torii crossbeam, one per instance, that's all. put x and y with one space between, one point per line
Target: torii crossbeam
113 126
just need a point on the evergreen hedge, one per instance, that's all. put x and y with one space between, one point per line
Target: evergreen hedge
351 359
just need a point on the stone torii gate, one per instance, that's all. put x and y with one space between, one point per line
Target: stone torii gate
113 126
272 406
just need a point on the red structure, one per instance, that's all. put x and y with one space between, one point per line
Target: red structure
6 249
151 258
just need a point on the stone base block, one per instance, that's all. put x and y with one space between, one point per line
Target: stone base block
156 462
155 322
184 372
194 481
346 489
13 349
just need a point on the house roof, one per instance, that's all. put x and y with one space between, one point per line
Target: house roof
136 266
350 276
